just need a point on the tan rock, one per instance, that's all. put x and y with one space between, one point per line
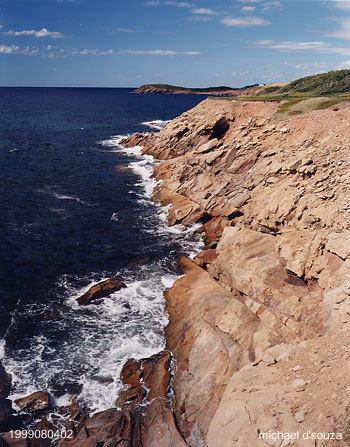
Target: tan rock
100 290
278 192
299 385
339 243
37 401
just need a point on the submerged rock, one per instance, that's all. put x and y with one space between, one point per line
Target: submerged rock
37 401
100 290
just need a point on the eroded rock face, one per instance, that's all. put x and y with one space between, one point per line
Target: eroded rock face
100 290
273 196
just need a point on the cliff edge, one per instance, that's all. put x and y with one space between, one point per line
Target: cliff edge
259 322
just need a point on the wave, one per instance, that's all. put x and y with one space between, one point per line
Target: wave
144 168
156 124
59 196
114 141
83 349
127 324
2 348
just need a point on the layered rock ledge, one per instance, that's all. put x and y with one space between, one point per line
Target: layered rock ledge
272 196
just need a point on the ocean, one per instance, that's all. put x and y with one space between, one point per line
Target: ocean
76 209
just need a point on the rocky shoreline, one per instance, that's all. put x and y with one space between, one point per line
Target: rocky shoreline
173 90
259 323
274 280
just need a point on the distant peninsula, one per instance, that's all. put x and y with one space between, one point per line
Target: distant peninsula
217 91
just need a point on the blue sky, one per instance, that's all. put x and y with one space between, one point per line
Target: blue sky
117 43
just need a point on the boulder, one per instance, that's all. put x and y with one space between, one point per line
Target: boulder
130 398
100 290
37 401
206 258
5 404
213 230
111 428
5 383
76 412
6 440
151 424
87 442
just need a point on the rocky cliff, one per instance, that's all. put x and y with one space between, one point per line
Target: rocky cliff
259 323
258 320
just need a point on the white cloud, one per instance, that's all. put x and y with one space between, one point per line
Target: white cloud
307 66
198 18
177 4
267 6
343 4
344 31
344 65
313 47
247 8
273 76
8 49
244 21
205 11
126 30
263 42
41 33
160 52
240 73
14 49
135 52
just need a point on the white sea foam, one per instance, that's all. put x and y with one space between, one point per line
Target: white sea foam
58 196
114 141
2 348
99 339
67 197
156 124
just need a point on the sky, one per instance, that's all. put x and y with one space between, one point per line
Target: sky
194 43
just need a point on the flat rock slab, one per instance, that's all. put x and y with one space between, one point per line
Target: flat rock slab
34 402
100 290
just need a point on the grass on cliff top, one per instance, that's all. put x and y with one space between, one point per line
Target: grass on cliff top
291 105
332 83
297 106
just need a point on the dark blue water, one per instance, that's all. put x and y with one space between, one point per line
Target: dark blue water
73 212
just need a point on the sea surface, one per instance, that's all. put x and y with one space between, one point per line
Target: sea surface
76 210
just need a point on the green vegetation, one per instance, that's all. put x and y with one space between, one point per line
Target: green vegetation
331 83
207 89
221 88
